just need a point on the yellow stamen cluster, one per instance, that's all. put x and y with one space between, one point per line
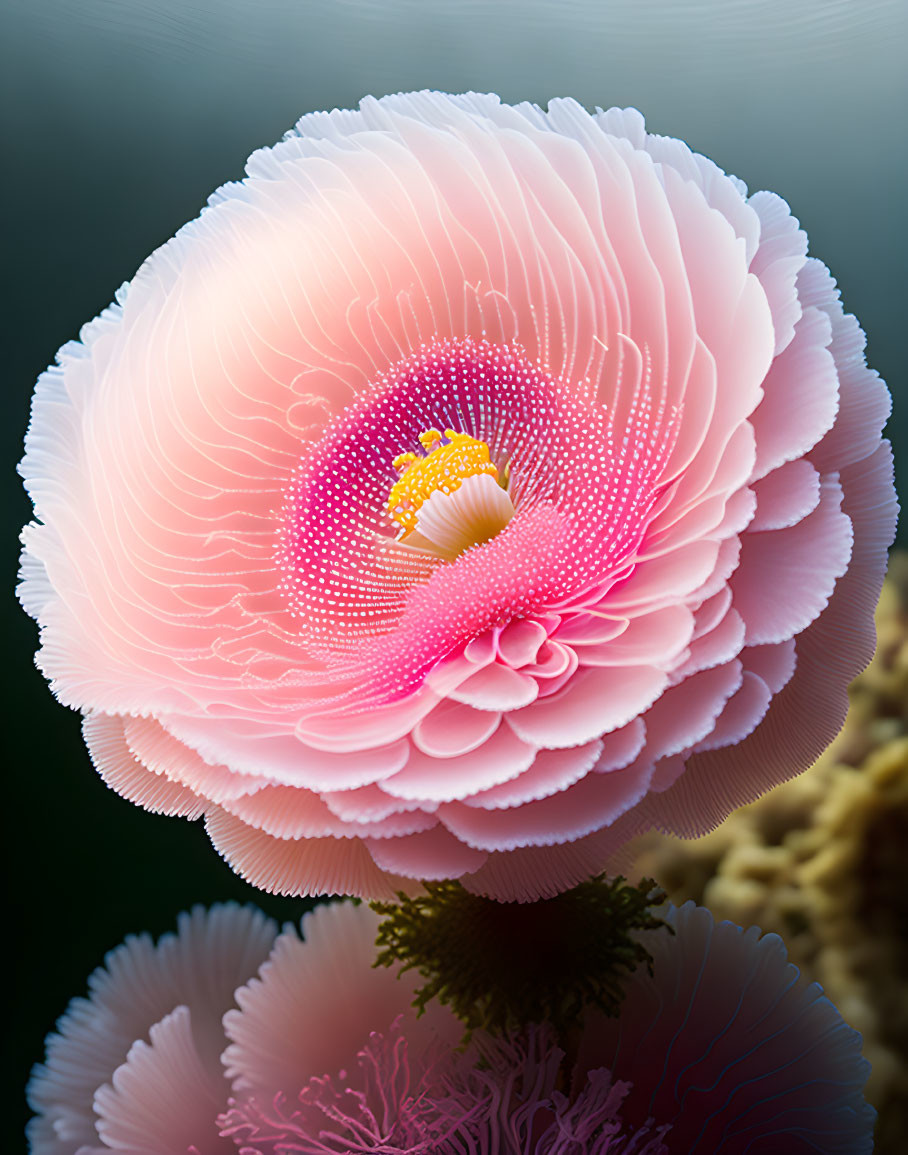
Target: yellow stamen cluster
444 467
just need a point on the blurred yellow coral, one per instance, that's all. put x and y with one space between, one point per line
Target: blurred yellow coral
822 861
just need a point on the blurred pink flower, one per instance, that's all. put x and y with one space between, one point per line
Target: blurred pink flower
137 1063
468 490
151 1031
728 1044
725 1050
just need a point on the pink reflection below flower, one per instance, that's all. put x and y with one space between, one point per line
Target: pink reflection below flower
725 1050
467 491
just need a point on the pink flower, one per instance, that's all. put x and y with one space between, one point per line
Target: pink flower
724 1050
468 490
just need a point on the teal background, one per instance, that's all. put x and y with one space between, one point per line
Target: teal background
118 120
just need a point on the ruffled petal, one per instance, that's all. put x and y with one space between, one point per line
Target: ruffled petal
165 1070
315 1002
298 866
212 953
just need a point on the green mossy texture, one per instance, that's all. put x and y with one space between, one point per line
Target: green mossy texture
500 966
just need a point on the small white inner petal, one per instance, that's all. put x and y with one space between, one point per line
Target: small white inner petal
449 523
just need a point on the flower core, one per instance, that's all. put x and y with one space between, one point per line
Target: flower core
444 467
450 499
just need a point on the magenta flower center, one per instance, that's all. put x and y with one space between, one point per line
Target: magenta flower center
393 558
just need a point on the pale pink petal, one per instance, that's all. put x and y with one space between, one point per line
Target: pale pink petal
298 866
315 1002
165 1071
666 772
665 579
726 563
704 516
778 260
498 688
596 701
433 780
864 401
551 772
725 193
800 398
290 812
212 953
358 732
519 642
560 666
431 854
584 628
715 647
454 728
786 496
592 803
774 664
711 611
621 747
657 638
161 752
786 577
123 772
285 758
686 713
555 664
370 804
623 122
742 713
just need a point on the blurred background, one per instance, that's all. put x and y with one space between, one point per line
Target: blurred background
120 117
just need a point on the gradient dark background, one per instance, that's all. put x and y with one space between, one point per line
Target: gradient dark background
119 117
